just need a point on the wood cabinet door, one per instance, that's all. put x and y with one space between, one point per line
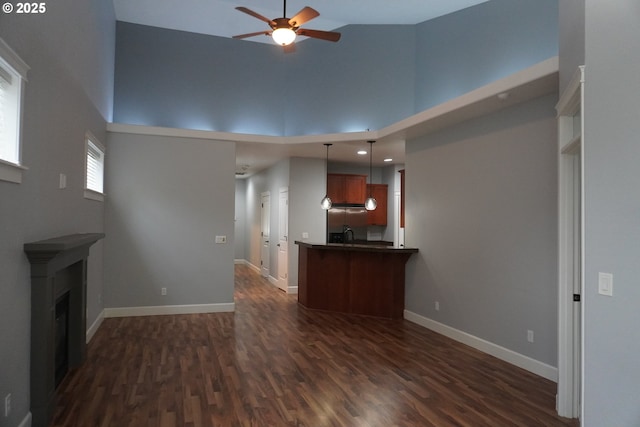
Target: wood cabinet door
355 188
335 188
344 188
379 215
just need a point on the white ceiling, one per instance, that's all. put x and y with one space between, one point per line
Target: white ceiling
219 18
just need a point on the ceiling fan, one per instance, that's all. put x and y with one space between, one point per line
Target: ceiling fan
284 30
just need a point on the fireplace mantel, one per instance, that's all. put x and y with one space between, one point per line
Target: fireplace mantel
58 267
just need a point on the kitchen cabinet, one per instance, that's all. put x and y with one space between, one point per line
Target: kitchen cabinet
379 215
356 279
345 188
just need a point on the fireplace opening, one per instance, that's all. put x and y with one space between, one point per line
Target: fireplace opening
61 338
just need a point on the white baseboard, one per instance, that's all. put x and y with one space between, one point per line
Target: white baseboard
168 309
94 327
542 369
240 261
253 267
292 290
26 422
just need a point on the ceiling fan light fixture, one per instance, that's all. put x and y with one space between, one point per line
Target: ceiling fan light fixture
283 36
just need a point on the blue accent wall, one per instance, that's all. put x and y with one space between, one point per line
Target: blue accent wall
374 76
193 81
365 81
465 50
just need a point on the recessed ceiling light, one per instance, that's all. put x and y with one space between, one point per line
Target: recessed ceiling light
388 160
362 152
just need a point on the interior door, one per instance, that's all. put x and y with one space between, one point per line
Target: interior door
265 232
283 240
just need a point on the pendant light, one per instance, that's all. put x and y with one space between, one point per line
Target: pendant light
326 201
370 204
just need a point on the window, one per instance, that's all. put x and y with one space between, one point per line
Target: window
94 168
12 77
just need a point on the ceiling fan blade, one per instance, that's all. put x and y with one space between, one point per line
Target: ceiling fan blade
257 33
331 36
305 15
255 15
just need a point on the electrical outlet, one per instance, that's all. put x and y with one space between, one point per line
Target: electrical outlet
305 235
7 405
530 335
163 291
437 305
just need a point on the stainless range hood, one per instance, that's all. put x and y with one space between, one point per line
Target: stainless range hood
346 216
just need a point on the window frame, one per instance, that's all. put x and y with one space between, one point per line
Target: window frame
90 193
11 171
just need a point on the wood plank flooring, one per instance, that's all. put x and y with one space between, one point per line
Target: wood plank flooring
275 363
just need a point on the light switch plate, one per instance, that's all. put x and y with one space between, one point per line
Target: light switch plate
605 284
221 239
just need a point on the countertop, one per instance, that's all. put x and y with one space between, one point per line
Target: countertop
356 247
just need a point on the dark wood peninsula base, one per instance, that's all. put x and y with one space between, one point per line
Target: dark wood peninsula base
357 279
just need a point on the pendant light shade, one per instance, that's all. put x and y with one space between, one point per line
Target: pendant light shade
325 203
370 204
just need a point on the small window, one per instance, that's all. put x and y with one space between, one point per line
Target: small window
94 167
12 77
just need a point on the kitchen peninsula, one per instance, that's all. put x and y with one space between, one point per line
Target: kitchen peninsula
352 278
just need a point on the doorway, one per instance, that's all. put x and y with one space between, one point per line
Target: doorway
570 247
265 232
283 240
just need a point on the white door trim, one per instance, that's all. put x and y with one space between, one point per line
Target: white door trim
265 233
570 109
283 239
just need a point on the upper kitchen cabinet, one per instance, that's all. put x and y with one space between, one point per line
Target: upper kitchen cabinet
379 215
346 188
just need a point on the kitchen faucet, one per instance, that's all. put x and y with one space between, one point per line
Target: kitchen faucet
345 232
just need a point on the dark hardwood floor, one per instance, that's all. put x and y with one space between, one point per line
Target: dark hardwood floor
274 363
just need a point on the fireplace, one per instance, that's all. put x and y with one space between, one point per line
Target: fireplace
61 339
58 315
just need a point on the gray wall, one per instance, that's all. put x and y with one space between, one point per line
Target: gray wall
69 92
571 39
168 199
307 187
612 211
375 76
481 206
